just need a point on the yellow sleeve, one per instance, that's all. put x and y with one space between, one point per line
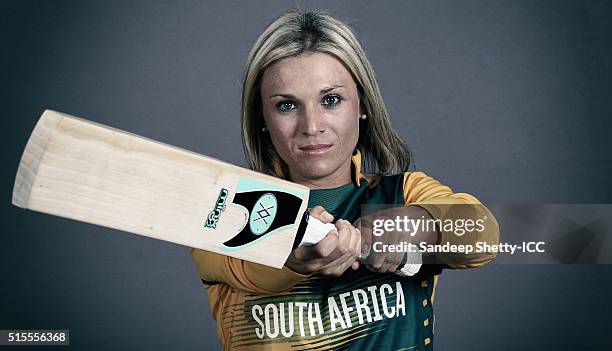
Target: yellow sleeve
428 193
243 275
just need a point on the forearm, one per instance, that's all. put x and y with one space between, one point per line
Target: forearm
243 275
454 210
441 203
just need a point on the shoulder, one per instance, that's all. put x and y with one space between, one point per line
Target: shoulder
411 186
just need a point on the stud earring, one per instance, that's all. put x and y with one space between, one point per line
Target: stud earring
363 117
263 129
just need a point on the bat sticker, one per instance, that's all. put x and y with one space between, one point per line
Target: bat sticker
213 216
263 213
268 211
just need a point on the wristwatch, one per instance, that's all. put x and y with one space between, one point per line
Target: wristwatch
411 264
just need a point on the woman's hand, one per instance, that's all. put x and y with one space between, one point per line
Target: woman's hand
373 252
334 254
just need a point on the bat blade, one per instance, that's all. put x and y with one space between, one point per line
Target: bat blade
92 173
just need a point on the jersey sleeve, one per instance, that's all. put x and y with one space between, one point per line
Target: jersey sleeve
428 193
243 275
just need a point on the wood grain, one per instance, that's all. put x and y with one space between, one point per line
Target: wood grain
89 172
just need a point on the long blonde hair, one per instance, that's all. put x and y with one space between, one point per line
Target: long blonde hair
293 33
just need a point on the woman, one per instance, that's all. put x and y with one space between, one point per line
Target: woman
312 113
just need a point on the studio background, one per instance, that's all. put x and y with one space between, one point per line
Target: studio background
506 100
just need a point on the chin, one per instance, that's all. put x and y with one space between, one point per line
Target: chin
316 170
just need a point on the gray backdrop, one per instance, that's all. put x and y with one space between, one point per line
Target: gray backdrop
506 100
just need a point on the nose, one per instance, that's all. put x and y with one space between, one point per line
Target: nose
312 121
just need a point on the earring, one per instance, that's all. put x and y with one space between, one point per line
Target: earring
363 117
263 129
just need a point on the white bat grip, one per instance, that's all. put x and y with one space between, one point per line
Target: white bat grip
316 231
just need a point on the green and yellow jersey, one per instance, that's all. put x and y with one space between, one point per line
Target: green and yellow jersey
261 308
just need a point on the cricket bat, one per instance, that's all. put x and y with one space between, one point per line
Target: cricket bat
89 172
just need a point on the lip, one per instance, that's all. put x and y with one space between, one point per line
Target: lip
315 149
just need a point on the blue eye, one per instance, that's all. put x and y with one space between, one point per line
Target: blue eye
332 100
285 106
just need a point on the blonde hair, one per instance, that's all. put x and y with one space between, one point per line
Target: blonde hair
291 34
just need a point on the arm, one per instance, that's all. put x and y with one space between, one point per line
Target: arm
243 275
429 194
331 256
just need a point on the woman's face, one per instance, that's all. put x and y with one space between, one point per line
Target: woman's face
311 110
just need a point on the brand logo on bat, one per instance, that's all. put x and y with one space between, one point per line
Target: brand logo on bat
268 211
213 216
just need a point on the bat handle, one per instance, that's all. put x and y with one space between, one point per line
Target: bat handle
313 230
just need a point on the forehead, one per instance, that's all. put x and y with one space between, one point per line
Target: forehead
309 70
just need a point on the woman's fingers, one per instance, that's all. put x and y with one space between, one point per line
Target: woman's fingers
348 247
321 214
356 242
328 244
365 228
324 249
376 261
334 254
347 236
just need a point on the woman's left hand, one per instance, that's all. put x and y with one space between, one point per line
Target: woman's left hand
374 248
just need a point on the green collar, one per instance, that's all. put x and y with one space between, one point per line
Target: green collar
332 198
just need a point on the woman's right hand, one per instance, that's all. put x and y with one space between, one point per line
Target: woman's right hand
334 254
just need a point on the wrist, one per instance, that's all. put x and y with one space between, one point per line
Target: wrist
411 263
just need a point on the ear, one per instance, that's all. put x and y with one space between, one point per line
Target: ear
362 109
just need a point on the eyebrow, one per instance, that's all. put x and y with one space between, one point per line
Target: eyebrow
321 92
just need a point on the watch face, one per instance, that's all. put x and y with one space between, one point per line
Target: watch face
414 260
409 270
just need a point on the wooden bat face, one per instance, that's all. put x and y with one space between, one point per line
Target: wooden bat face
89 172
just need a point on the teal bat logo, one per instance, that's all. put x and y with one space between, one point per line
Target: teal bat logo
263 214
